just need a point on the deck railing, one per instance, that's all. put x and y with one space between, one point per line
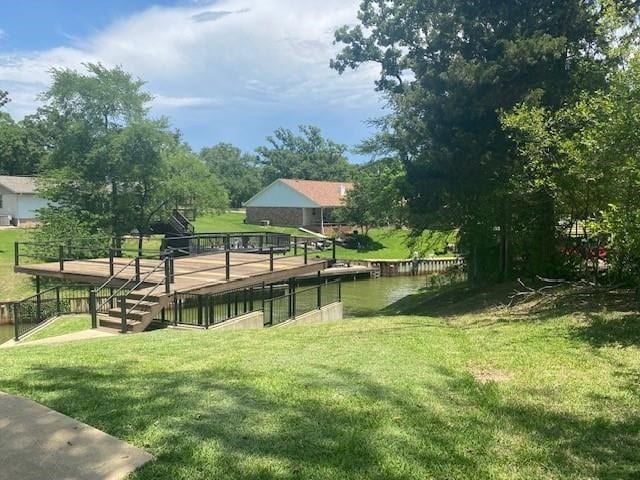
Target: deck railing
104 250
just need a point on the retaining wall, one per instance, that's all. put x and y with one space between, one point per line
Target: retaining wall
325 314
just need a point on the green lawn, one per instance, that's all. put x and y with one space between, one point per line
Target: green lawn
62 326
234 222
456 390
391 243
12 286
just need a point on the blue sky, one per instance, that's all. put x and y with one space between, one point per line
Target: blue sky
222 71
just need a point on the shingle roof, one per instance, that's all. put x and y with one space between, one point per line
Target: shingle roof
324 194
18 184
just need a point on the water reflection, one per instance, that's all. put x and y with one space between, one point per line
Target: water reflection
365 298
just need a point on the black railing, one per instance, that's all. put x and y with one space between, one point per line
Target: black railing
249 242
278 303
298 302
206 310
31 312
103 250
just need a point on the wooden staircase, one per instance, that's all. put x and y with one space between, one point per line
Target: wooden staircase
139 314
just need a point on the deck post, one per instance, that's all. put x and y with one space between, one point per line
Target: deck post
38 300
295 246
200 319
339 290
16 253
172 259
227 264
58 305
16 321
123 314
333 248
137 262
175 309
319 297
271 259
93 308
111 255
306 243
61 257
167 275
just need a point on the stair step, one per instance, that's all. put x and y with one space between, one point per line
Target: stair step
144 305
137 315
152 298
113 323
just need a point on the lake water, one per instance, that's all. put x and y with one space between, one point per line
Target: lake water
364 298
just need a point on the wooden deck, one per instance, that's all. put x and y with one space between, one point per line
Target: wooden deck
197 274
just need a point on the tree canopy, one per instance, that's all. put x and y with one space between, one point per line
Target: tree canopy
110 166
238 171
450 69
307 156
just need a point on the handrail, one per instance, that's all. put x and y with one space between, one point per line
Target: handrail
164 280
155 269
112 277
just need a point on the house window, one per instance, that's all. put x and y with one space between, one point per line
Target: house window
314 211
1 205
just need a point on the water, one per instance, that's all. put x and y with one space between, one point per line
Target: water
365 298
6 333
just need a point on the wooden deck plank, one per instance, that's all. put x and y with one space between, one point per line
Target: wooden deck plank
197 273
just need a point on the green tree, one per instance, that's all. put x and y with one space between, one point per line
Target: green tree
448 69
375 199
190 179
587 156
238 172
110 167
20 149
307 156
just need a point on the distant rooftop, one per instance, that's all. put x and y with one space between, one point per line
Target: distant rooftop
18 184
324 194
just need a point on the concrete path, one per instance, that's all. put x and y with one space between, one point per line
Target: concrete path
37 443
89 334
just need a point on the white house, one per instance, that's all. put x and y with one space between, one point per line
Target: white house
19 200
297 203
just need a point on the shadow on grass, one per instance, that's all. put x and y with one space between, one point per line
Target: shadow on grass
329 422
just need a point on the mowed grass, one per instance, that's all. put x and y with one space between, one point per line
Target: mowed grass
62 326
12 286
390 243
233 221
445 393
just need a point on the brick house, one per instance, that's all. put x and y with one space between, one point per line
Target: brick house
297 203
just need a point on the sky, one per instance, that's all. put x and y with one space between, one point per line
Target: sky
220 70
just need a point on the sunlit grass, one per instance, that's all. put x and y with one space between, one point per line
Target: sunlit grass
475 394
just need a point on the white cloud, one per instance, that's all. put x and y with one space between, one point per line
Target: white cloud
228 53
2 34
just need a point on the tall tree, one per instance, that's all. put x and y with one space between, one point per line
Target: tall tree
20 149
449 68
375 199
307 156
238 172
111 168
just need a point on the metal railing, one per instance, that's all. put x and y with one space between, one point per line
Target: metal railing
299 302
278 303
103 250
31 312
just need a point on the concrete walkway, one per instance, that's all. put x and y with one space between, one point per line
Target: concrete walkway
89 334
37 443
